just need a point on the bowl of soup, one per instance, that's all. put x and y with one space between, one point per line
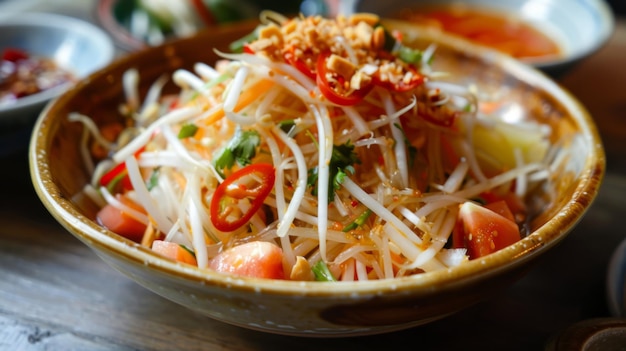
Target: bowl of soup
549 35
351 189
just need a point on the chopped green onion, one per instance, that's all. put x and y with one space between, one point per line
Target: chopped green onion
187 131
287 125
154 179
409 55
359 221
237 45
322 273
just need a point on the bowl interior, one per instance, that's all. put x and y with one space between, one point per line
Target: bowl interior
59 175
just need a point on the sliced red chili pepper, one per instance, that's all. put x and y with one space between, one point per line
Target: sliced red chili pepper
248 49
113 174
254 183
329 90
300 64
119 175
14 55
402 86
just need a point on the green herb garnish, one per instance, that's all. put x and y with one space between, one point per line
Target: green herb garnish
322 273
237 45
187 131
342 162
241 149
153 181
359 221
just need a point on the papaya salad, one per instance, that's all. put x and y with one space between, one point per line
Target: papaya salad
315 149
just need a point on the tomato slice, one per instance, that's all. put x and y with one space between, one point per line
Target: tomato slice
330 90
483 231
258 259
253 182
174 251
121 223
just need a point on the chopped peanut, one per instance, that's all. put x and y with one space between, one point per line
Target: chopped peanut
342 66
368 18
302 270
353 42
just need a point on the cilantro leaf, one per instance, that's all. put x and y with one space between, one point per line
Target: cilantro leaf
342 162
241 149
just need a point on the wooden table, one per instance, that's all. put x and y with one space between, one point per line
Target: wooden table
55 294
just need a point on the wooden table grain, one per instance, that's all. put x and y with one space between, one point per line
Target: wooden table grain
56 294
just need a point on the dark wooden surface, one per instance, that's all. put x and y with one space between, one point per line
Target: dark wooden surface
55 294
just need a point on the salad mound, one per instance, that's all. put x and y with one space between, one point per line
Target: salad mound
317 149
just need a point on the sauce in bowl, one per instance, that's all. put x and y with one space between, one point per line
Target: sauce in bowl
22 74
504 32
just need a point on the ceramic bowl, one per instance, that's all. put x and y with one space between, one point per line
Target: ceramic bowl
73 44
580 27
315 308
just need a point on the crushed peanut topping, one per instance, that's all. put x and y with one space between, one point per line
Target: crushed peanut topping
356 45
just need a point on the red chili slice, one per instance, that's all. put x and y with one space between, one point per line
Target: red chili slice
297 62
14 54
253 182
119 175
329 90
402 86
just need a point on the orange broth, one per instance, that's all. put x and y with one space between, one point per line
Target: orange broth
497 30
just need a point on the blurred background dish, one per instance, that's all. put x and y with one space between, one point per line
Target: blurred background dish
136 24
577 28
55 51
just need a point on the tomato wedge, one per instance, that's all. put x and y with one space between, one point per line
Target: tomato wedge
174 251
254 183
258 259
331 90
121 223
483 231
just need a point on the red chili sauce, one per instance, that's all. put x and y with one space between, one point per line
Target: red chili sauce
22 75
497 30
